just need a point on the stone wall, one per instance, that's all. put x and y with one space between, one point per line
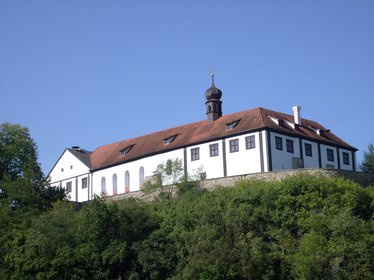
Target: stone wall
211 184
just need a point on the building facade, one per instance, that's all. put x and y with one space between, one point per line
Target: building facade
252 141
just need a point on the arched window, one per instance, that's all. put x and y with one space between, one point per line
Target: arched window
127 181
114 184
103 186
141 177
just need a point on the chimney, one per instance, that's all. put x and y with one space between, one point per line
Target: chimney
296 114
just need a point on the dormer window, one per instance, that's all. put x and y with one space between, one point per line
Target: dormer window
126 150
170 139
232 125
276 121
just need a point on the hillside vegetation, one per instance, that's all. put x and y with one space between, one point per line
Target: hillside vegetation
302 227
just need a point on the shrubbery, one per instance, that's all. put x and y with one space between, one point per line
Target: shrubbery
302 227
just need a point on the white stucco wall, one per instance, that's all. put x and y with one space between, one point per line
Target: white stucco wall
326 163
149 164
346 166
70 169
212 166
244 161
281 159
310 161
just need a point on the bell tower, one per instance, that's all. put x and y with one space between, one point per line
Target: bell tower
213 102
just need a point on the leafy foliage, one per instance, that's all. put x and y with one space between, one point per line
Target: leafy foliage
367 164
24 192
303 227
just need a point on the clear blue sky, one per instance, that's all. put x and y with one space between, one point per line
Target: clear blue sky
90 73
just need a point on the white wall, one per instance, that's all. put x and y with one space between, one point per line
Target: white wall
310 161
244 161
69 169
281 159
346 166
149 164
326 163
212 166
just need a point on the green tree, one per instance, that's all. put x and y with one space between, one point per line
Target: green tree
22 183
367 165
24 192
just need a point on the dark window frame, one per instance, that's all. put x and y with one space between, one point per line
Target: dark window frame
234 145
195 154
330 154
289 146
84 183
250 142
214 150
308 149
346 158
69 187
278 143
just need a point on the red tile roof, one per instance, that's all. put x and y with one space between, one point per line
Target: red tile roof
205 131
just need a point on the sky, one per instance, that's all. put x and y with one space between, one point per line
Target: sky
88 73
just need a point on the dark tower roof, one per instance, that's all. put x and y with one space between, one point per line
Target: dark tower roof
213 92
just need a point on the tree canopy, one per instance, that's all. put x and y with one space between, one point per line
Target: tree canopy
303 227
24 192
367 164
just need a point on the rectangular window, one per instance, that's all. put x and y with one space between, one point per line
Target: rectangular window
234 145
213 150
330 154
308 149
345 158
195 154
68 187
84 183
289 145
278 143
250 142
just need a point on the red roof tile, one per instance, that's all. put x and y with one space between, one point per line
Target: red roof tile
204 131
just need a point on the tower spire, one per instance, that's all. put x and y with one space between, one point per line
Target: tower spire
213 101
212 75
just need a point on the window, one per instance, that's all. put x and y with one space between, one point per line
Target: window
330 154
232 125
308 149
213 150
141 177
170 139
71 167
127 181
234 145
195 154
103 185
278 143
114 184
69 187
84 183
250 142
289 145
62 170
126 150
345 158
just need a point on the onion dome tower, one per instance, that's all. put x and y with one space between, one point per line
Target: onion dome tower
213 102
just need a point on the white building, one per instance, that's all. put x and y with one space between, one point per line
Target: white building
257 140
